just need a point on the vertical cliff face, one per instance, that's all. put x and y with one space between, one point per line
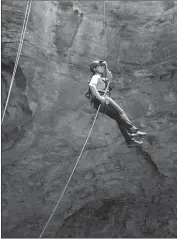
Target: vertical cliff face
115 190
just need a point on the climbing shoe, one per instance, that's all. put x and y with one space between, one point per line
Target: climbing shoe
134 143
138 133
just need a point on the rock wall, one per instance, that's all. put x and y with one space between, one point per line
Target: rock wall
115 191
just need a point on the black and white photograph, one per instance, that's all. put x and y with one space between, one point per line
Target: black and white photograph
88 119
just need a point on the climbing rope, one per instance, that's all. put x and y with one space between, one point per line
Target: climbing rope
25 22
105 53
59 200
69 177
121 32
104 26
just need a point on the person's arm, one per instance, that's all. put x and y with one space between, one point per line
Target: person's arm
94 90
108 72
108 76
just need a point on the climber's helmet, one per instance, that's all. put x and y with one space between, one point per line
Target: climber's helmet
96 63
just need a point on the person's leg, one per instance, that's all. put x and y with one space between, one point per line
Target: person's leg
113 110
120 116
109 111
132 129
96 104
125 133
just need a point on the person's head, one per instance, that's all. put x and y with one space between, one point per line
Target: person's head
97 67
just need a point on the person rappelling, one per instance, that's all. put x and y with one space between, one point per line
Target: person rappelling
99 93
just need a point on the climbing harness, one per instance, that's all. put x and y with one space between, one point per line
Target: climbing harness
25 22
89 94
59 200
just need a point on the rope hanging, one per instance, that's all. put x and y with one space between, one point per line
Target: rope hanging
59 200
104 26
121 32
69 177
25 22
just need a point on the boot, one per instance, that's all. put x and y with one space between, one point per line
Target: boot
138 133
134 143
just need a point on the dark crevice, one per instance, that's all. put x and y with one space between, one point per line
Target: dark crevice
62 42
10 140
18 114
147 157
96 147
8 66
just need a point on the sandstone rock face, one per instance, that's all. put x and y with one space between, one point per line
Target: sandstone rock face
115 191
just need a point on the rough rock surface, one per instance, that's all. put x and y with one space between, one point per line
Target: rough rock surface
115 191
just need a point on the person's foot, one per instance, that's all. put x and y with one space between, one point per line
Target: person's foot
134 143
138 133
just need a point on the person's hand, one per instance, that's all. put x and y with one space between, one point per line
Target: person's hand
102 99
111 86
105 63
